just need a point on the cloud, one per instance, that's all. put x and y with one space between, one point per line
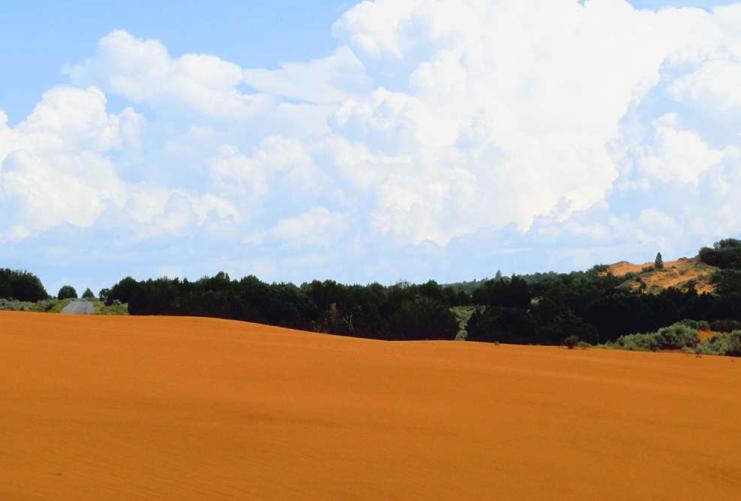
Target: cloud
326 80
53 167
317 227
716 84
57 168
677 155
144 72
497 123
433 123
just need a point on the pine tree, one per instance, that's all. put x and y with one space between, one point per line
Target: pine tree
659 262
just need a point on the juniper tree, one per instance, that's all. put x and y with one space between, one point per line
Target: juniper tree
659 262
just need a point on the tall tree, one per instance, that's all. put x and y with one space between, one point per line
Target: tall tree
659 262
67 292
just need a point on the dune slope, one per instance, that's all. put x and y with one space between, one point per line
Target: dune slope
183 408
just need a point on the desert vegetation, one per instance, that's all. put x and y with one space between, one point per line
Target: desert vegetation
51 305
591 307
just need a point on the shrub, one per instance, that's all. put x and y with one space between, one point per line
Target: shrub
698 325
571 342
674 337
725 325
47 305
722 344
734 344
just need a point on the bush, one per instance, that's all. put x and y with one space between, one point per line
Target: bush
697 325
115 308
47 305
725 326
723 344
674 337
571 342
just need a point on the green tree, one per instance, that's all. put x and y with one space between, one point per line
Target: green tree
88 294
659 262
21 285
67 292
724 254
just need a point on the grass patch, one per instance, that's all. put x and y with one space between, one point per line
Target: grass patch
462 315
116 308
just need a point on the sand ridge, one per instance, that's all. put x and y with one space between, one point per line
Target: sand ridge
186 408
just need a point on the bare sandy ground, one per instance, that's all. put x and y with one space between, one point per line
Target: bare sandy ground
182 408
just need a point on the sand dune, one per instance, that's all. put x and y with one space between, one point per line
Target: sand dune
677 274
182 408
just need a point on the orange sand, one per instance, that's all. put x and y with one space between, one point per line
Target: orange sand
624 267
183 408
677 274
705 335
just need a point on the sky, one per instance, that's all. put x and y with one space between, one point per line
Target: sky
383 140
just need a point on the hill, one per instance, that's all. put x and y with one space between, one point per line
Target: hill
186 408
681 274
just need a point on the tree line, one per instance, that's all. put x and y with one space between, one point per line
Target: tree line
543 308
402 311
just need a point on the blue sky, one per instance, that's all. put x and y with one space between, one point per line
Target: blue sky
402 142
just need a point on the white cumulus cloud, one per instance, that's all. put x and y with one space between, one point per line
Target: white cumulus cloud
432 121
